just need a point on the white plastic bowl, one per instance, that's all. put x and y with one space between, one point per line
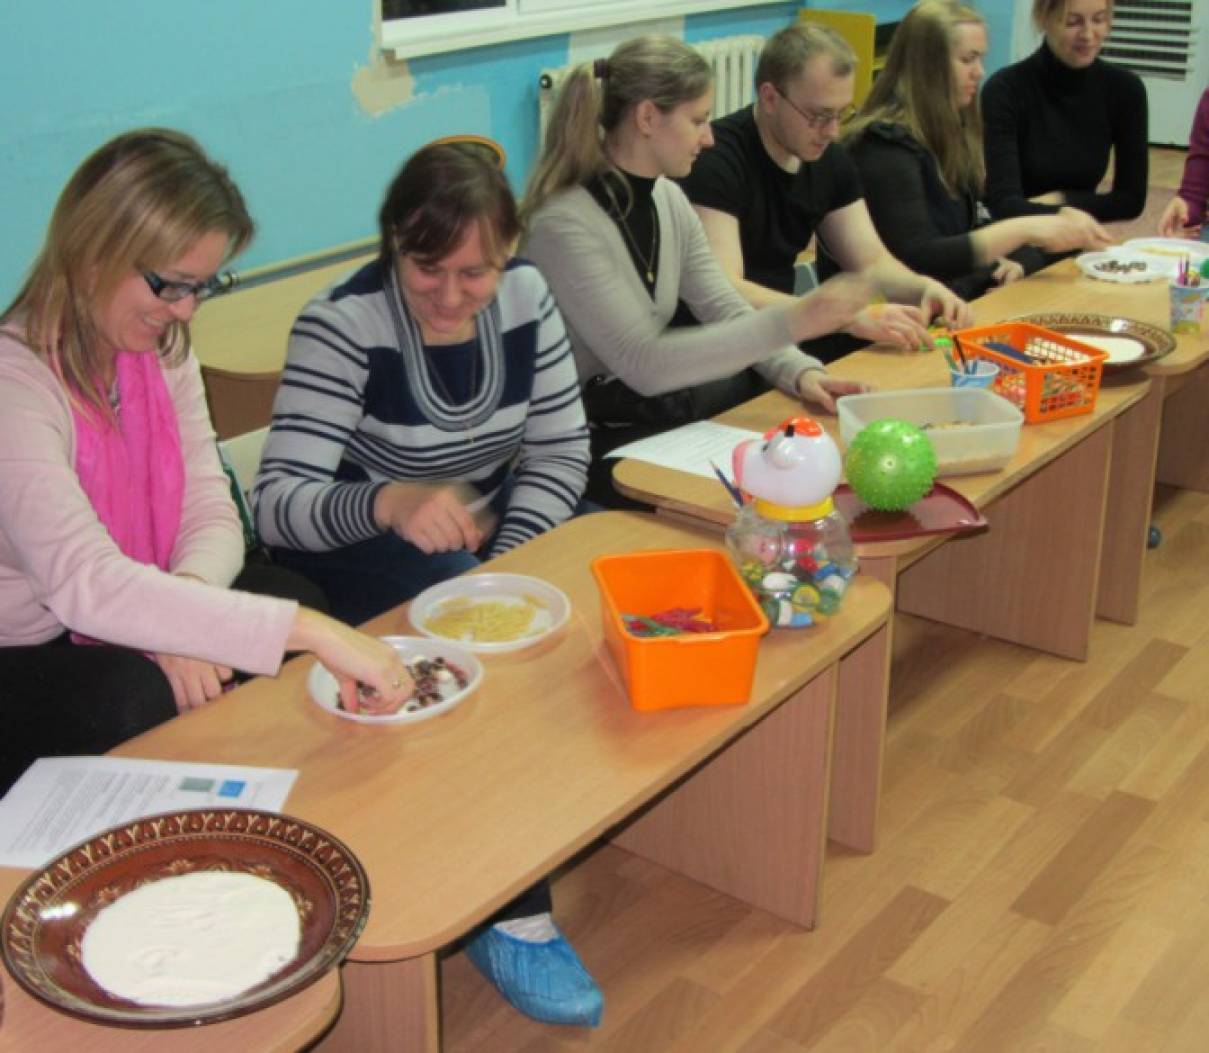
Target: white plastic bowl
326 692
554 606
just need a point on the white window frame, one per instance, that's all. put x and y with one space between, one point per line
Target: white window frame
521 19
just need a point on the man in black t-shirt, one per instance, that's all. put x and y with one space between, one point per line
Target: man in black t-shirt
775 177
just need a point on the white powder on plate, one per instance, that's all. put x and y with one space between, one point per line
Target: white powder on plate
1119 348
192 939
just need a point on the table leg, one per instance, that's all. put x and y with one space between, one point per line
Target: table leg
1135 443
1032 577
884 569
858 741
1184 444
752 821
387 1006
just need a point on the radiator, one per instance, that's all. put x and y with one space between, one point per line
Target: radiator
733 60
1164 42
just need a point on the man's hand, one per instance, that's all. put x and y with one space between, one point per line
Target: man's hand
940 303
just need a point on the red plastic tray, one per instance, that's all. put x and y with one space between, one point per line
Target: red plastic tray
940 511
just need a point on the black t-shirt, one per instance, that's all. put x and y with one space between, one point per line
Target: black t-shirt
777 211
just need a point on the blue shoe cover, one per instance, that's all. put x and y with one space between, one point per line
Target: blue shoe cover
545 981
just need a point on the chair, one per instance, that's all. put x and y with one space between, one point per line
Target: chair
805 276
241 454
239 402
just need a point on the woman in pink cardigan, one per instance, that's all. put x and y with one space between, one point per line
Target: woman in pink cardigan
120 548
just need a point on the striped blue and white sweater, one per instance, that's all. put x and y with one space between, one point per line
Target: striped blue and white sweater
359 407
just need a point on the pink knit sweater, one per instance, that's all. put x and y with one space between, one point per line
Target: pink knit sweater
60 569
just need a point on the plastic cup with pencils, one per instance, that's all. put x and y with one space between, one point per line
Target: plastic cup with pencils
1187 292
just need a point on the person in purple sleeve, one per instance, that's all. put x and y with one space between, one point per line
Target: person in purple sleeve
1186 211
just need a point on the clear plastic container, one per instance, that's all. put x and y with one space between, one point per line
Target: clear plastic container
971 430
798 569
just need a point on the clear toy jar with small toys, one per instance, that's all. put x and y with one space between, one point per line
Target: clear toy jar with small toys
791 545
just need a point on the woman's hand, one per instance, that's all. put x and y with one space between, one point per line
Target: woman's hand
1071 228
194 682
892 323
830 308
1006 271
819 389
1174 221
354 658
434 518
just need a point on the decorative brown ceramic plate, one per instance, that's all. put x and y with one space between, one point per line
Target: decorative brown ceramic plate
1128 343
44 924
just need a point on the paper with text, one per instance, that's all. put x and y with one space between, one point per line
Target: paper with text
689 448
60 801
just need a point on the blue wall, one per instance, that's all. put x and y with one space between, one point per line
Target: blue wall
272 97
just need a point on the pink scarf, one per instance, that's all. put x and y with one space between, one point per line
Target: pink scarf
134 475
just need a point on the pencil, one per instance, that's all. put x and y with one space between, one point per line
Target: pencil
966 365
735 494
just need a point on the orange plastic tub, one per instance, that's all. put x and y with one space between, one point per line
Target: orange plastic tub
692 669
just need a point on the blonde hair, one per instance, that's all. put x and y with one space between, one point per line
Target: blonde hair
1044 10
139 202
594 100
917 90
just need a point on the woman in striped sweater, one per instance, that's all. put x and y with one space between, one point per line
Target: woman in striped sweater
428 415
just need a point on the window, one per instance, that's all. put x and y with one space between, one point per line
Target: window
428 27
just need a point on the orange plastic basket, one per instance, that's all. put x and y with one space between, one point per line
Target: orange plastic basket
1060 379
692 669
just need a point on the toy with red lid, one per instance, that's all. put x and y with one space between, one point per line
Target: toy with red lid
791 545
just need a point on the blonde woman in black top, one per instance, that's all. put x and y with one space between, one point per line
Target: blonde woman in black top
918 144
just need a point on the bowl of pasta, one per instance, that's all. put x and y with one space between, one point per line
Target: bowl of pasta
491 613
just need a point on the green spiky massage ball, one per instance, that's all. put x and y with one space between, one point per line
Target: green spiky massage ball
890 464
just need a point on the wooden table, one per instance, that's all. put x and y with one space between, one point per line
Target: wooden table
454 817
1179 382
1068 515
26 1024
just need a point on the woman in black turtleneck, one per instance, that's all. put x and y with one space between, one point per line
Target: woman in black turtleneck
1051 121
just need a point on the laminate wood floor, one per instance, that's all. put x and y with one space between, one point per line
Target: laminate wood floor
1042 881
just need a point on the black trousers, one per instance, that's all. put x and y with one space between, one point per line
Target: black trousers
59 698
618 415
